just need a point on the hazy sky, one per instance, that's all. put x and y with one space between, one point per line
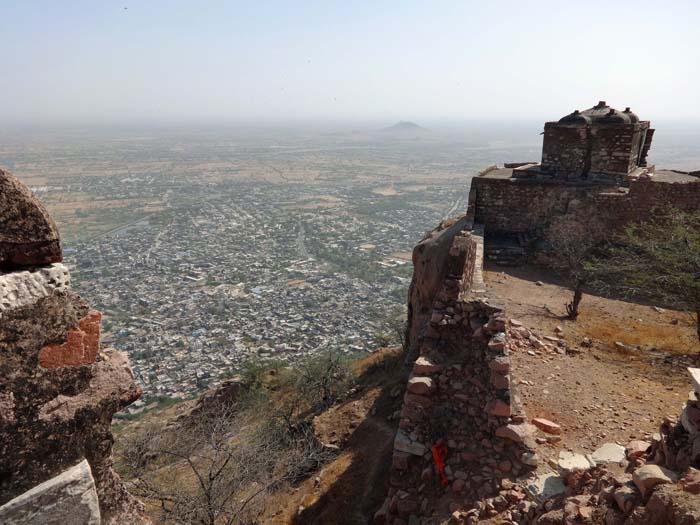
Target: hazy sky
165 60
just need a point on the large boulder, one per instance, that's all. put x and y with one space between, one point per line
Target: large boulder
669 505
649 476
28 234
69 498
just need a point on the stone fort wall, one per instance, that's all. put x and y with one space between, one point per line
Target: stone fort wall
460 401
527 206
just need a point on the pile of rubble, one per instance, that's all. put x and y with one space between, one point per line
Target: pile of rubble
653 482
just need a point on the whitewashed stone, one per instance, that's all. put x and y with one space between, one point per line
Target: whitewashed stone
546 486
420 385
423 365
695 378
403 443
68 499
569 461
18 289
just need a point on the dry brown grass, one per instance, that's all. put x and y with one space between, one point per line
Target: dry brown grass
659 334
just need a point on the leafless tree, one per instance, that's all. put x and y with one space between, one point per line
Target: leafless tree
215 466
209 471
572 237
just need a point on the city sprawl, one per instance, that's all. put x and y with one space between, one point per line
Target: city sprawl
205 253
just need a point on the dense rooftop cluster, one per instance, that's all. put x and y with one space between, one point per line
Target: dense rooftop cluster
238 271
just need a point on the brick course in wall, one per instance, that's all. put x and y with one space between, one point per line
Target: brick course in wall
80 348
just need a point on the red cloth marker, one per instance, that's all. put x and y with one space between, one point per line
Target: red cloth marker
439 454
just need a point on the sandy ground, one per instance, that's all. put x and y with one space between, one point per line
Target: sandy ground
603 393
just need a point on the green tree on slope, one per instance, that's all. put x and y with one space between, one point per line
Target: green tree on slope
658 259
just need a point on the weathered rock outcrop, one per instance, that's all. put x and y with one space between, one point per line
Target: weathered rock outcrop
28 234
58 390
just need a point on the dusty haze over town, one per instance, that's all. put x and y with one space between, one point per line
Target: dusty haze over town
331 262
199 158
178 61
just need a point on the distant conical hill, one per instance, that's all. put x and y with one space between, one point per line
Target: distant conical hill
405 125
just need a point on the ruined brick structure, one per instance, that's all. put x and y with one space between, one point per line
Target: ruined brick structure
460 402
594 160
600 143
58 388
465 451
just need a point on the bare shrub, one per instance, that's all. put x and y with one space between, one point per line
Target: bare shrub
208 472
215 466
323 379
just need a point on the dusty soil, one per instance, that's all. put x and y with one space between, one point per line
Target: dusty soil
606 392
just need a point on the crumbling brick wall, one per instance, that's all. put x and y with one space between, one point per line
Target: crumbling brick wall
459 399
572 151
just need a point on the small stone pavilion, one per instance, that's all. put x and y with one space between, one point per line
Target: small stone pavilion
600 144
595 160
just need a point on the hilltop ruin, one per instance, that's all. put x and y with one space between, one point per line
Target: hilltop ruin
594 160
465 451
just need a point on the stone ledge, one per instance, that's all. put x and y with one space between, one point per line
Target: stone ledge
18 289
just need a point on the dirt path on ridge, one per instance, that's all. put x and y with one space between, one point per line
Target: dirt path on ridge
607 392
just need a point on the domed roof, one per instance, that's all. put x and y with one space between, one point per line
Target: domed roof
28 235
601 113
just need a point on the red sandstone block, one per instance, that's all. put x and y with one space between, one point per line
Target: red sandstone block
415 399
413 412
69 353
550 427
498 408
80 348
91 324
400 460
499 381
